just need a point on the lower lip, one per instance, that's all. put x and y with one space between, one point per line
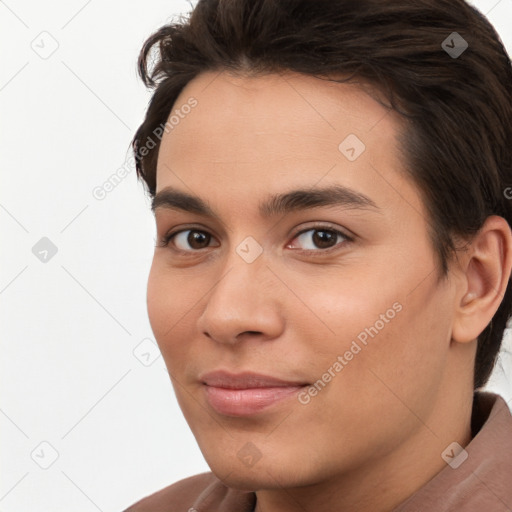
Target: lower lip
244 402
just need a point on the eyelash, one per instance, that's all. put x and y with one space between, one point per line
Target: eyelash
166 239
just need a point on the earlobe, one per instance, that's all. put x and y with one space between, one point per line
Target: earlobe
486 268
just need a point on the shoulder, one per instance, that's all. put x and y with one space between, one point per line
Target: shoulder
181 494
204 491
479 476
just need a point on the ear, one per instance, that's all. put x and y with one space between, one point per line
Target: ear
485 272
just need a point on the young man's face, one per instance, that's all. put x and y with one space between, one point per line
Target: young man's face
361 313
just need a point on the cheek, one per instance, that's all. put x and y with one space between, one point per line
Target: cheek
384 331
399 364
160 302
170 311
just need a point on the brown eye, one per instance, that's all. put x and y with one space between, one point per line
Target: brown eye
317 238
188 240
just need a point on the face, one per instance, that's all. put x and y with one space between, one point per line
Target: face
336 294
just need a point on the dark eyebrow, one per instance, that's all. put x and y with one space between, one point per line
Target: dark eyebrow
301 199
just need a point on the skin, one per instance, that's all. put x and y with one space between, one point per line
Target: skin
375 433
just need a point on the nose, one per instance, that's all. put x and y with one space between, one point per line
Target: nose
243 303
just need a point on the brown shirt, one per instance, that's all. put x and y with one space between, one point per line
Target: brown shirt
482 483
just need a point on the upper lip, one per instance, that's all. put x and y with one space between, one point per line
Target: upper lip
245 380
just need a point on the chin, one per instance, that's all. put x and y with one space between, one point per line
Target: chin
270 474
254 479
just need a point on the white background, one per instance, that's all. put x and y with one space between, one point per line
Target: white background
69 374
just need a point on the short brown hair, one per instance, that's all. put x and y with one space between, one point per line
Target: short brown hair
458 149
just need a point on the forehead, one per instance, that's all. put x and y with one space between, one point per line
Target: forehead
254 135
289 104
